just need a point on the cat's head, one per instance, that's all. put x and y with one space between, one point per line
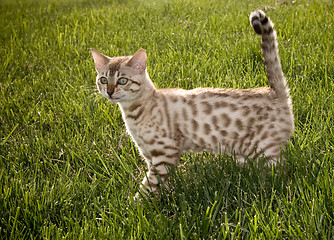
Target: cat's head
122 79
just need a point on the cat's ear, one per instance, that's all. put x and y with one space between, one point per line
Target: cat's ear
138 61
99 59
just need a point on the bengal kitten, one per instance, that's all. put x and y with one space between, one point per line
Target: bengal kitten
163 123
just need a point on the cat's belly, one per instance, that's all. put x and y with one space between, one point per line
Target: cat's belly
191 146
199 145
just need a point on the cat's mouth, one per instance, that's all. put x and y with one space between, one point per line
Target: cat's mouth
114 99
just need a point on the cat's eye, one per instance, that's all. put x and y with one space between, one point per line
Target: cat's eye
122 81
103 80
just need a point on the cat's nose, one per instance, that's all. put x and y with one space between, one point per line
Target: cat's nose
110 92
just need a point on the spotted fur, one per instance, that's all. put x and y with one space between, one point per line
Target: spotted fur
166 122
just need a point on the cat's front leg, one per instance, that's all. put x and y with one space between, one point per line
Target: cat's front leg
157 174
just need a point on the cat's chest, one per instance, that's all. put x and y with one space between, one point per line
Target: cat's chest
143 122
144 132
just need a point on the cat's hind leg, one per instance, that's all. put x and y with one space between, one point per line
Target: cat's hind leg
240 159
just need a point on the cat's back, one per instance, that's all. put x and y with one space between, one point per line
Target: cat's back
203 103
215 98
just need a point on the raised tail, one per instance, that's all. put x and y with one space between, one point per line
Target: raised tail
265 27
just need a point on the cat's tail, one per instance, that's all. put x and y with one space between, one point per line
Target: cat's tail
265 27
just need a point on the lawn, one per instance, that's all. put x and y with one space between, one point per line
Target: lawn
69 170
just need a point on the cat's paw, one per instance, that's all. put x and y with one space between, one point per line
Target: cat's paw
137 197
140 196
143 193
258 20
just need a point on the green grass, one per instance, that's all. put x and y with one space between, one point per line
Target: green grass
67 168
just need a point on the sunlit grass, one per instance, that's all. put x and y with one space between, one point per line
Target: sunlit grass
67 167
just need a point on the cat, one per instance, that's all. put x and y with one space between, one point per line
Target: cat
248 123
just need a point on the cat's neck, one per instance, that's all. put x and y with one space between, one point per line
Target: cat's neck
141 100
